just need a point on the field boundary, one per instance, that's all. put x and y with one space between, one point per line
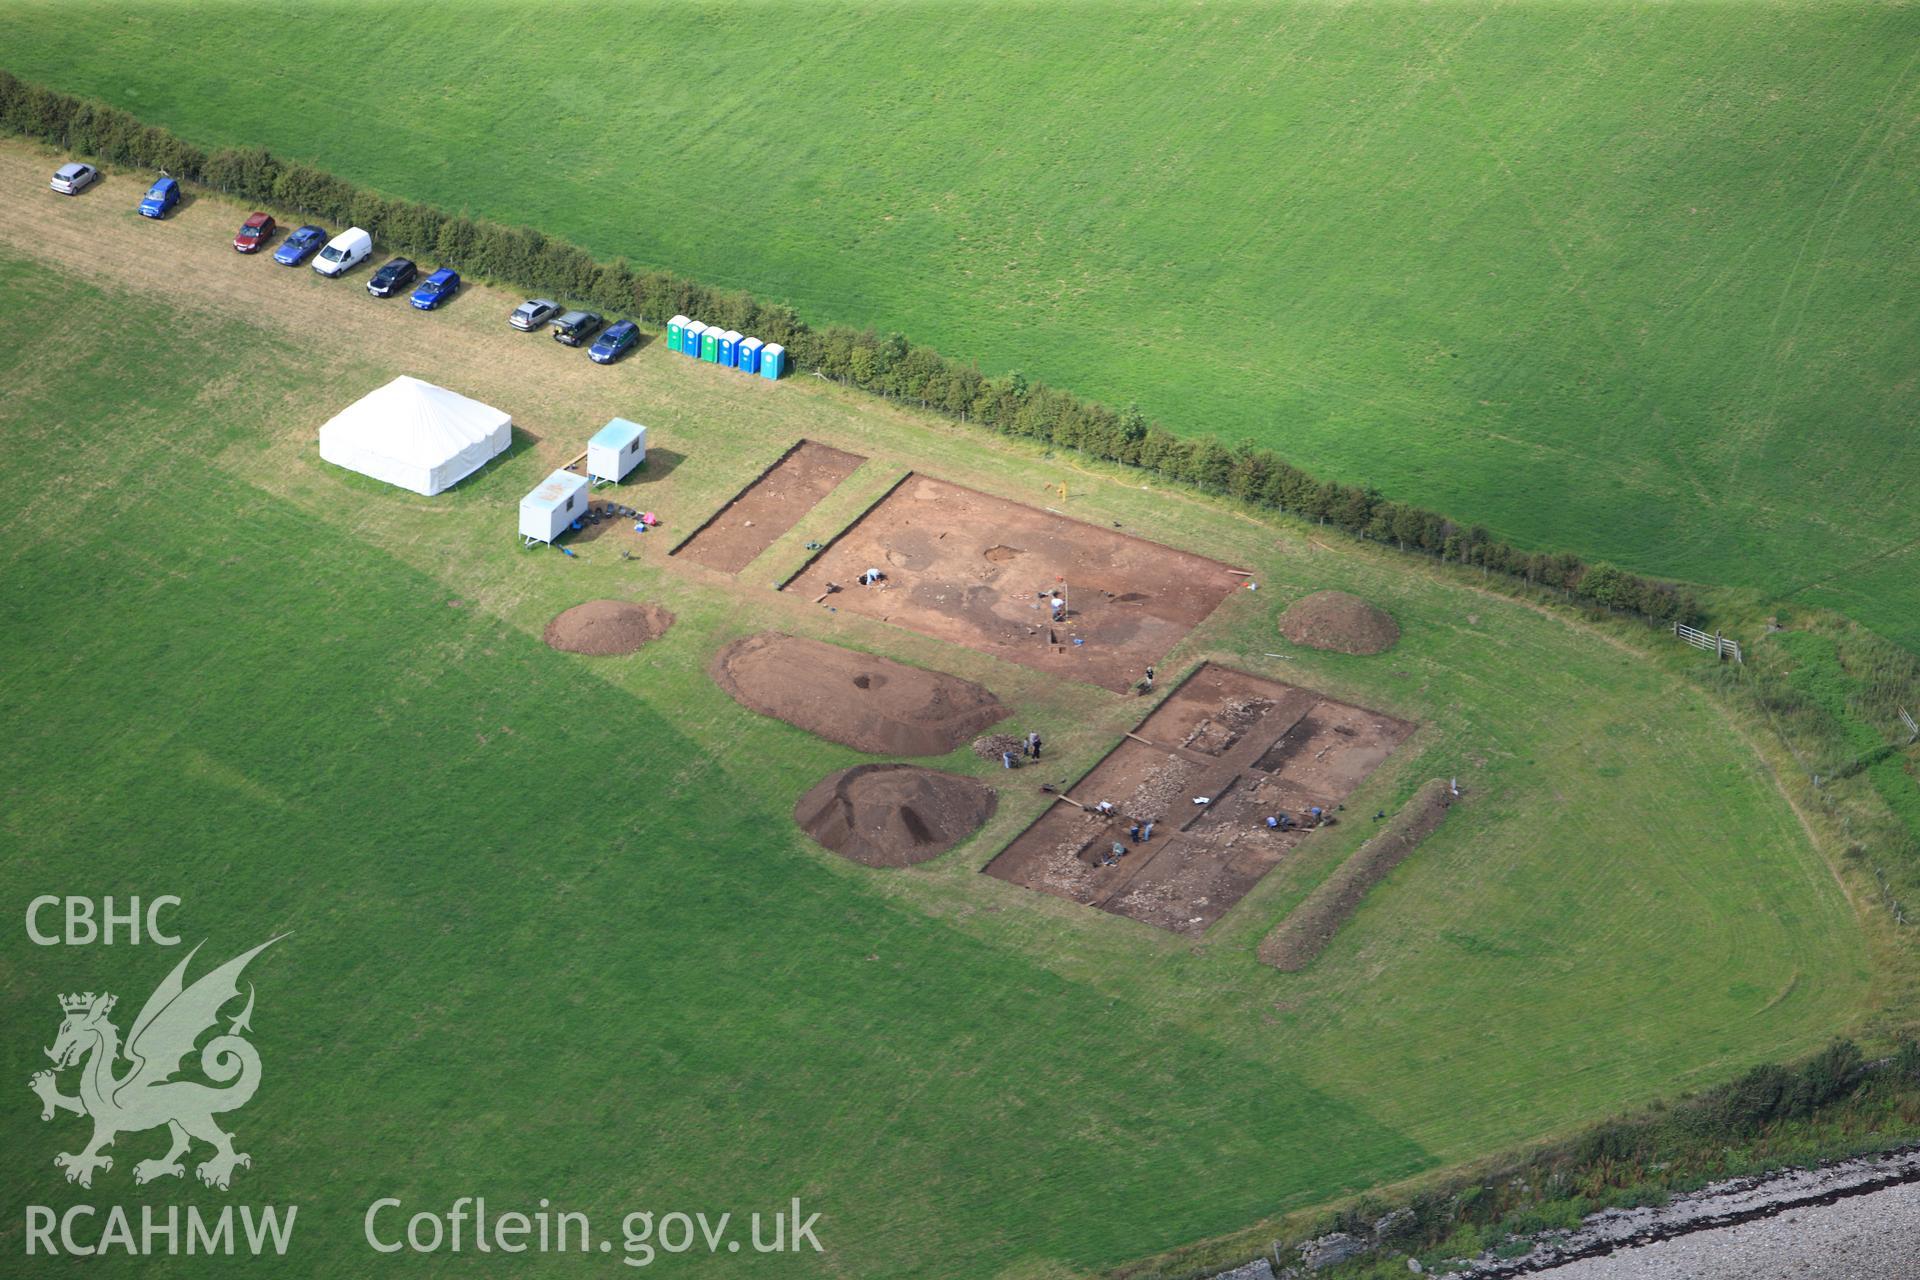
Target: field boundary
893 368
1718 645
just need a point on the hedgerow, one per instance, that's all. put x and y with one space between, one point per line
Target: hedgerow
888 365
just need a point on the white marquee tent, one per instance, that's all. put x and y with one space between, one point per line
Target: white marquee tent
416 435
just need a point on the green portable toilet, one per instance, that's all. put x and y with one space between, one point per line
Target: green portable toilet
690 338
773 360
676 332
710 345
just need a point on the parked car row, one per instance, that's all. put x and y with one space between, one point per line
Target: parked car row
339 254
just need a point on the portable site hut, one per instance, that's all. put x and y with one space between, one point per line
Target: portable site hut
416 435
749 357
727 344
676 331
691 338
616 449
773 360
710 346
559 500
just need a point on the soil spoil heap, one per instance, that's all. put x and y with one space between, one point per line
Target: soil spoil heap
1340 622
893 815
868 703
605 628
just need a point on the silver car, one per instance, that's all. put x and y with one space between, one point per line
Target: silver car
72 179
530 315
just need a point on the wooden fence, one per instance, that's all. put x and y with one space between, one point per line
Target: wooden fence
1720 646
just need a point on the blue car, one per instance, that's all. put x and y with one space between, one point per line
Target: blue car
300 246
615 342
436 289
160 197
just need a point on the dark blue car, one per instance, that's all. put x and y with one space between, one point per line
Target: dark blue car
614 343
300 246
396 275
160 197
436 289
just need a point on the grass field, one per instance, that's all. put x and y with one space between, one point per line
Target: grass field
553 931
1634 280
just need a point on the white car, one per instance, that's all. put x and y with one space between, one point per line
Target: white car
72 179
345 249
533 313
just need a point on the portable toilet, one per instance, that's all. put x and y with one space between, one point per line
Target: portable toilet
724 347
676 331
749 357
559 500
773 360
691 337
616 449
710 345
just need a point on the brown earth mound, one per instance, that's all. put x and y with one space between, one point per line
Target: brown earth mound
1340 622
867 703
604 628
1306 932
893 815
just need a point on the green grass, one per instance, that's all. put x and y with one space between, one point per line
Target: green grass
554 935
1859 718
1633 280
1819 677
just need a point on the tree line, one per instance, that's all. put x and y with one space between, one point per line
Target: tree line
888 365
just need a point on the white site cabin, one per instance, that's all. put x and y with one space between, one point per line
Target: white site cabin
552 507
614 450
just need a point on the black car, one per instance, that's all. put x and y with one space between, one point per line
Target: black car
392 277
575 327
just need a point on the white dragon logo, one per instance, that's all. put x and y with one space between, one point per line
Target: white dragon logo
147 1096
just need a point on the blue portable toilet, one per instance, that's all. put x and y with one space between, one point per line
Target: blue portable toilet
736 338
676 332
748 360
690 338
773 360
725 345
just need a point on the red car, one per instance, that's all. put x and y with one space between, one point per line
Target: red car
256 231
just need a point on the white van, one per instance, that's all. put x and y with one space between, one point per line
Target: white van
345 249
